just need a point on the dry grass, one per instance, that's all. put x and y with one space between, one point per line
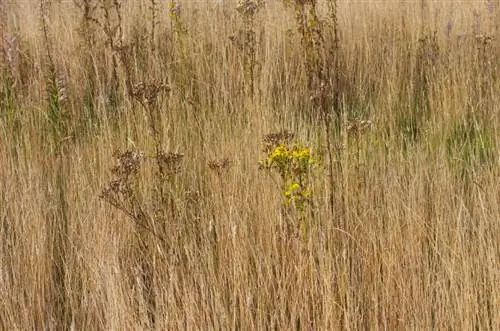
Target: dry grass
402 113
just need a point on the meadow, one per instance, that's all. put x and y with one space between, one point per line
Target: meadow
251 165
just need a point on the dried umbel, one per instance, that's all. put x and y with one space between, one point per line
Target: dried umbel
359 126
298 2
169 163
129 163
147 93
249 7
484 39
119 192
219 165
125 55
272 140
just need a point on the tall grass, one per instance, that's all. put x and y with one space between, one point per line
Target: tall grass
130 191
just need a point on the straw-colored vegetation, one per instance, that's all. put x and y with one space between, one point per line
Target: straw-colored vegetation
277 165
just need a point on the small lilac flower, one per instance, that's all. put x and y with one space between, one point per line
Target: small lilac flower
491 7
448 28
477 22
175 8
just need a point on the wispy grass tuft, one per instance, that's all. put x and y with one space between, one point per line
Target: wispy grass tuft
131 194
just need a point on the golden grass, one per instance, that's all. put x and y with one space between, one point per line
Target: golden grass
403 236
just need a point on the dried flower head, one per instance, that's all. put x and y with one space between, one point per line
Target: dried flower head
129 163
273 140
219 165
170 163
359 126
484 39
249 7
61 88
147 93
491 6
119 188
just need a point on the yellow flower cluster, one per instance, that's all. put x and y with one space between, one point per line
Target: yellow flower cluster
293 158
292 162
297 195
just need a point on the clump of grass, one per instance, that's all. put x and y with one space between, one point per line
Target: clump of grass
486 72
392 239
412 122
9 105
470 146
58 135
89 34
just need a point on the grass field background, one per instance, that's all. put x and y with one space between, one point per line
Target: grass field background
131 193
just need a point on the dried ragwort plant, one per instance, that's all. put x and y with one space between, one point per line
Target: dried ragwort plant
248 10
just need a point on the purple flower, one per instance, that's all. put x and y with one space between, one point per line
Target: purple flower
491 7
175 8
448 28
477 22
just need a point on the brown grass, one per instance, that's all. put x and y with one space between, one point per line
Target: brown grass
402 113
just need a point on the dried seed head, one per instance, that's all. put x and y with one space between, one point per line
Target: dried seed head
192 196
119 188
220 165
249 7
147 93
61 89
359 126
272 140
129 164
124 53
484 39
170 163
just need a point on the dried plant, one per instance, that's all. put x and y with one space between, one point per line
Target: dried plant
89 21
358 126
147 93
153 7
178 28
120 192
170 163
248 10
219 166
311 32
273 140
3 36
124 195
